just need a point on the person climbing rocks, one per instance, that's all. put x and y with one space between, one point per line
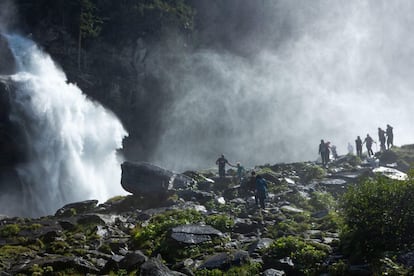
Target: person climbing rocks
381 138
261 190
390 137
368 142
358 144
221 162
240 172
322 152
334 152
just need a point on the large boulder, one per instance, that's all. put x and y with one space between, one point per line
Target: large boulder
194 234
145 179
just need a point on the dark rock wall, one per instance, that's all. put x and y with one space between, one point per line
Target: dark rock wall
126 66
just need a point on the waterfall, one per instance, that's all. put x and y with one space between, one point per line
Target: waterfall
72 140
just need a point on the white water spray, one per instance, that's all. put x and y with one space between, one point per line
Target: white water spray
72 140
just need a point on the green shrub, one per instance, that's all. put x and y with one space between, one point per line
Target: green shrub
244 270
223 223
9 230
307 256
378 216
339 268
311 172
322 201
149 236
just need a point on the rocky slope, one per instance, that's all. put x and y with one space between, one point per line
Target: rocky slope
195 224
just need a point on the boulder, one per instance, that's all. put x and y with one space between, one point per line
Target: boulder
391 173
148 180
155 267
273 272
76 208
225 260
194 234
260 244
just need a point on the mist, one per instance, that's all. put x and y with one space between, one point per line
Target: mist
288 74
7 15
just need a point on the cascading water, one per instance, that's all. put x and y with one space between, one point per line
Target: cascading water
72 141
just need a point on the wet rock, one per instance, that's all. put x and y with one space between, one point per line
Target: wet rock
194 234
155 267
244 226
290 209
67 224
320 214
57 263
90 219
76 208
273 272
199 196
260 245
112 264
335 186
286 264
148 180
133 260
224 260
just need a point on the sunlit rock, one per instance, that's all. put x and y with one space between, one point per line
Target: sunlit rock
391 173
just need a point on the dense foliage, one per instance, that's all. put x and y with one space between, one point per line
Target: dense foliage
308 256
378 216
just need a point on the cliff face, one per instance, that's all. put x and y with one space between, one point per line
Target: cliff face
125 58
114 65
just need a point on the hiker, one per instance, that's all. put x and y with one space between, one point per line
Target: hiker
358 144
368 142
240 171
390 137
334 152
381 138
261 190
322 152
221 162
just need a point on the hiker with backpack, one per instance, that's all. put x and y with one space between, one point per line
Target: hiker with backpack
261 190
390 137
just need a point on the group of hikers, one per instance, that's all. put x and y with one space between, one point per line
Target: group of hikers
385 137
325 151
255 184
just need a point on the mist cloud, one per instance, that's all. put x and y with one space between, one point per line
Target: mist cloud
319 70
7 15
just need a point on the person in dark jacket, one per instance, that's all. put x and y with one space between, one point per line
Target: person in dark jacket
368 142
221 162
381 138
322 152
358 144
261 190
390 137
